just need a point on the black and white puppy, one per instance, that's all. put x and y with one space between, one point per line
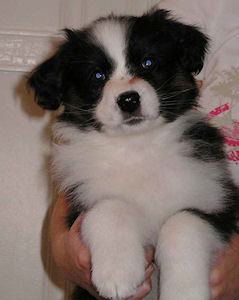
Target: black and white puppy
137 155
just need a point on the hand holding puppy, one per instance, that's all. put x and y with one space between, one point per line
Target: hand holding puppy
224 279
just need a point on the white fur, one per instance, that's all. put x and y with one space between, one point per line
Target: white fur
108 112
184 256
110 35
134 185
118 242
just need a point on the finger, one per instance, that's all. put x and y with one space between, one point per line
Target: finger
149 255
83 253
76 225
84 259
149 271
217 292
216 277
142 290
75 233
199 83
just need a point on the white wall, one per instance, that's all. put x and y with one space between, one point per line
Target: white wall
28 30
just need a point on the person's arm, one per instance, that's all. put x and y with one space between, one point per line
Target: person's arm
224 279
73 257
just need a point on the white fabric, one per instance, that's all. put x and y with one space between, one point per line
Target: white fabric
219 19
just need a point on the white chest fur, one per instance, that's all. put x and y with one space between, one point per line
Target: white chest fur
150 169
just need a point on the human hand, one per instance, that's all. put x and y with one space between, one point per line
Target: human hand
224 279
199 84
69 252
145 288
73 257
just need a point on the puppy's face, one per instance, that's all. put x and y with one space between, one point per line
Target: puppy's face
123 73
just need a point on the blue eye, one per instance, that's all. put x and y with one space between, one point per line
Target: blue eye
147 63
99 75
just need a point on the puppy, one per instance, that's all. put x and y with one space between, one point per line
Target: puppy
135 153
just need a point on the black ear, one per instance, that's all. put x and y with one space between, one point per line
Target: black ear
45 80
192 47
189 43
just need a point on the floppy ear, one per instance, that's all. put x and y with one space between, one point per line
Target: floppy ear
46 82
192 47
190 44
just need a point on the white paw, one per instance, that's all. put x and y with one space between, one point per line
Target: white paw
119 279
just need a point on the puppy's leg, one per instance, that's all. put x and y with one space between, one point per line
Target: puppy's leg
114 232
185 247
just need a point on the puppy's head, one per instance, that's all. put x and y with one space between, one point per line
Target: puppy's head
123 73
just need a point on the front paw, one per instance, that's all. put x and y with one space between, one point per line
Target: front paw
118 279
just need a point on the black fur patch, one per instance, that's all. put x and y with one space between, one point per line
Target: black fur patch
81 89
224 221
46 83
80 294
176 50
206 141
68 78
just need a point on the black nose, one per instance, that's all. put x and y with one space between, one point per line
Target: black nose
129 101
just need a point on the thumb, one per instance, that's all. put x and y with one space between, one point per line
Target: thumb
76 225
199 84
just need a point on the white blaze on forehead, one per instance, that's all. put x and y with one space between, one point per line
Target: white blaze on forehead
111 34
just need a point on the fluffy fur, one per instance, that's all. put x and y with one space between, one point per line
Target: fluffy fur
136 154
